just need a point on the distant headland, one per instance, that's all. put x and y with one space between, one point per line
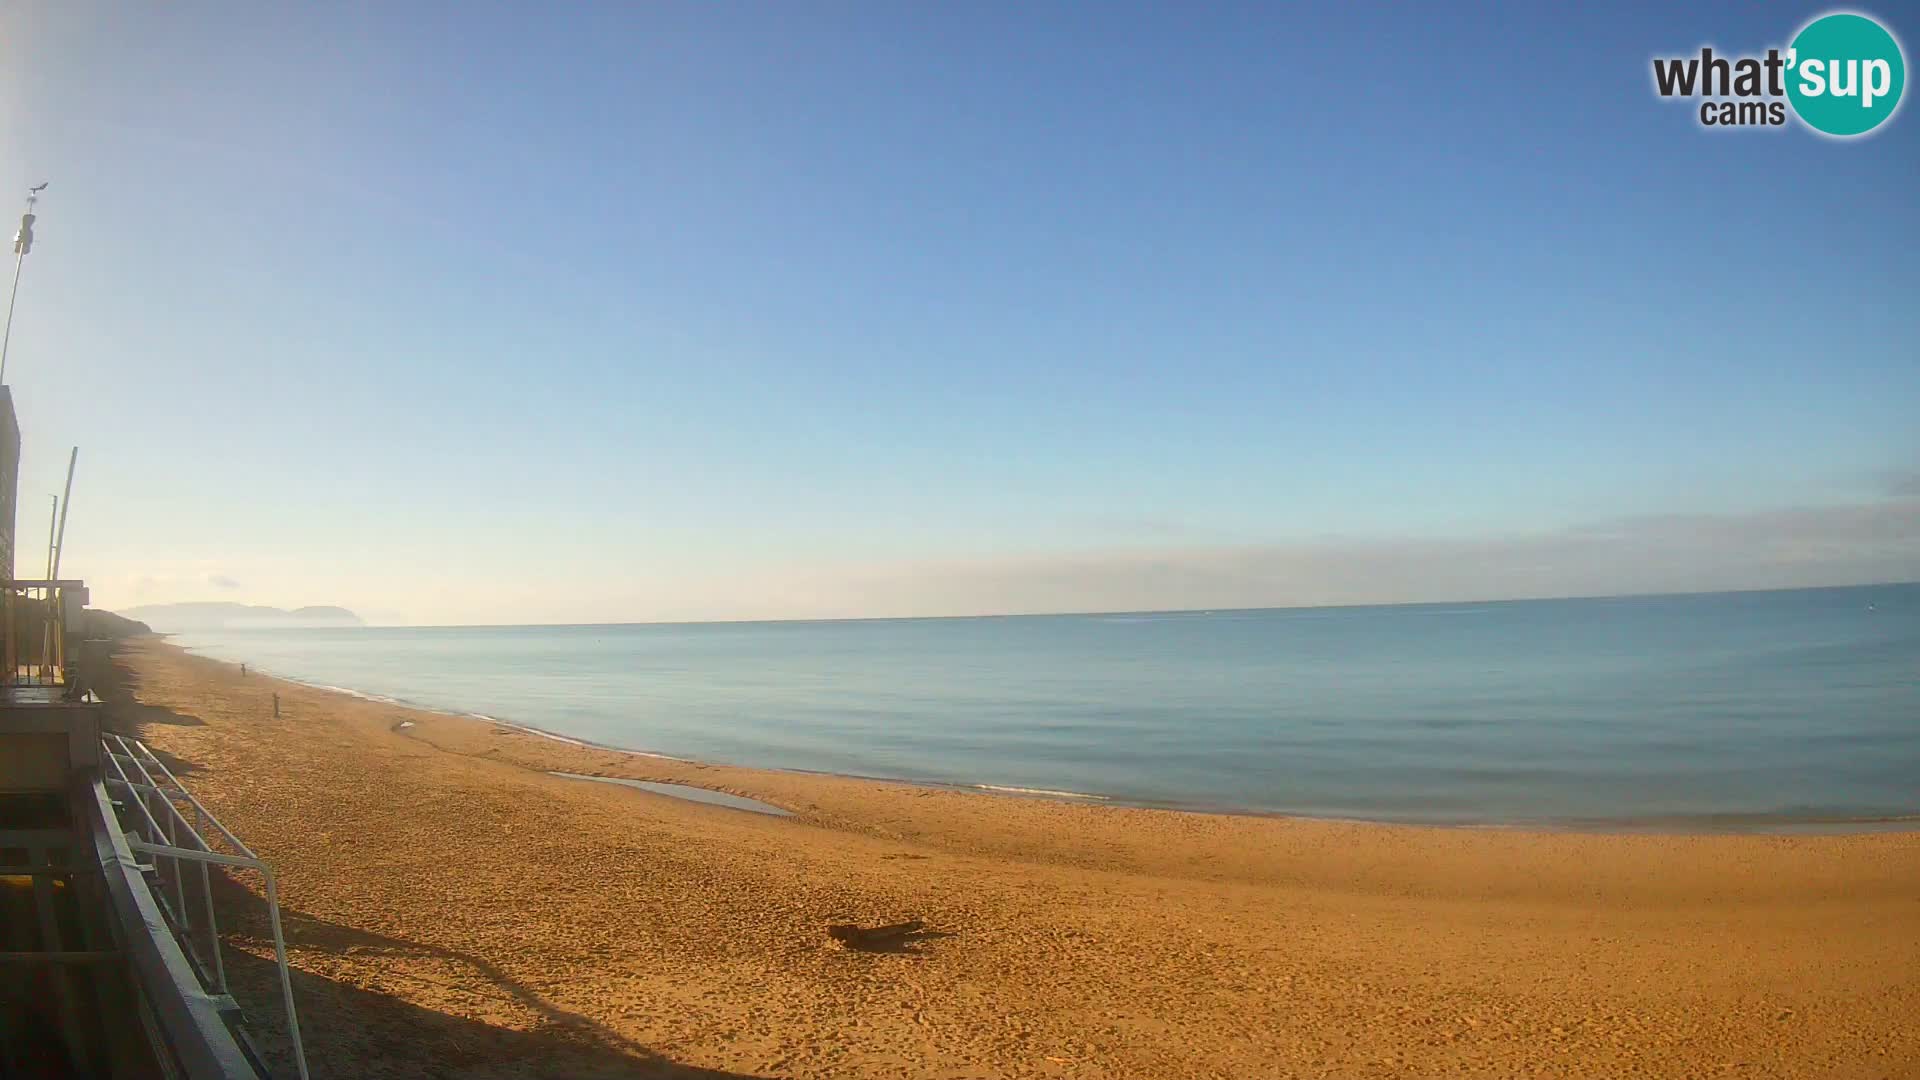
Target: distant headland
218 615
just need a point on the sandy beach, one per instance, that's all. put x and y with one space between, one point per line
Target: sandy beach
456 911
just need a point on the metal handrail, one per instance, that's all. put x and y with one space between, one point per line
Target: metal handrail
192 1027
185 840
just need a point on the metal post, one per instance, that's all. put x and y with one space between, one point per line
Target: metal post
18 261
59 541
206 893
286 976
51 518
66 504
46 624
22 243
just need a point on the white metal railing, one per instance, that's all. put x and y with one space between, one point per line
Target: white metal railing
160 829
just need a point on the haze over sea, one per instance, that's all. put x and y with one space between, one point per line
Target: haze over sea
1727 709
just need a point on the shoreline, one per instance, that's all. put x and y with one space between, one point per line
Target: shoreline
1730 824
453 909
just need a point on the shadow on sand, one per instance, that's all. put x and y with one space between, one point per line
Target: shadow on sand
115 683
357 1031
903 945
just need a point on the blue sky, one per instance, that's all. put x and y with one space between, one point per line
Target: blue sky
490 314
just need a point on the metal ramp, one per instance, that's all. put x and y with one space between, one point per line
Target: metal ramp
152 808
111 956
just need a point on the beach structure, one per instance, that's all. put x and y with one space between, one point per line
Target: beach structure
110 950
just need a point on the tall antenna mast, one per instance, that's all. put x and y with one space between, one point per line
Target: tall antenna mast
66 503
22 243
52 516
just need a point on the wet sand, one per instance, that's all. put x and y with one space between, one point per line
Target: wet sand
455 910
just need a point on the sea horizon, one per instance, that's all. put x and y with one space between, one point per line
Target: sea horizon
1658 594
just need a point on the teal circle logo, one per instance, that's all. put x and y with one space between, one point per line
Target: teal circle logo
1845 73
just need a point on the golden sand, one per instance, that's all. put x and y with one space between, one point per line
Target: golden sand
455 911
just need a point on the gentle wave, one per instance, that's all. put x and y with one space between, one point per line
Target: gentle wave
530 730
1049 792
378 699
541 733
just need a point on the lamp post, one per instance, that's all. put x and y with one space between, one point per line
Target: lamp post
22 243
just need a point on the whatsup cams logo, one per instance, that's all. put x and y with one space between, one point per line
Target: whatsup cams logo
1842 75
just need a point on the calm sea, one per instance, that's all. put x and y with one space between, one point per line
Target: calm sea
1731 709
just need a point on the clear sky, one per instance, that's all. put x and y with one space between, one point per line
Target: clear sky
528 313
